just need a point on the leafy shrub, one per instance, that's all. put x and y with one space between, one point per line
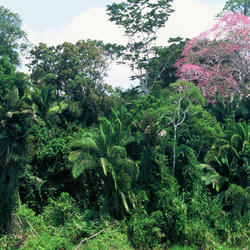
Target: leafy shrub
25 226
59 211
63 213
145 231
237 200
200 234
47 240
109 239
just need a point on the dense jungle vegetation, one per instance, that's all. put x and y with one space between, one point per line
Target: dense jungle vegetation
161 165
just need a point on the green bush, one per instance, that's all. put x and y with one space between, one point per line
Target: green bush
145 231
109 239
48 240
59 211
63 213
60 226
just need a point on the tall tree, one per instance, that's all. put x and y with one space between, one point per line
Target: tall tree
161 68
241 6
218 60
77 72
15 118
61 64
43 99
140 19
183 96
12 37
106 152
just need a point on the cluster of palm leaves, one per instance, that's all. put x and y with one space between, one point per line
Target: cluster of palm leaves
230 156
104 150
227 170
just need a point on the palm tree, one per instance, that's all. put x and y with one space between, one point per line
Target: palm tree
230 156
228 171
43 99
227 163
105 151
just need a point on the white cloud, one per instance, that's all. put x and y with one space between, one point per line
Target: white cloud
92 24
190 18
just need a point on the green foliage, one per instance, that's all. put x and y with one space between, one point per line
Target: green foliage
211 177
145 231
204 215
130 15
48 240
60 226
181 99
161 69
58 211
76 72
84 167
105 151
25 224
201 235
109 239
61 64
226 109
230 156
200 132
43 99
12 37
50 173
141 20
241 6
16 118
237 200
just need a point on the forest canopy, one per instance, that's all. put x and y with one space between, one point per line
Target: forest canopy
163 165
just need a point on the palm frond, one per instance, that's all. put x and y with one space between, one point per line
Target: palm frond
127 119
124 201
242 130
224 149
117 125
106 128
246 148
127 140
132 199
114 114
85 144
114 178
74 155
131 168
118 152
210 176
57 107
76 143
103 163
235 152
81 165
90 134
236 141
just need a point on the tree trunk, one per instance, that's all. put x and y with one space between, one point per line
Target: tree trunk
174 150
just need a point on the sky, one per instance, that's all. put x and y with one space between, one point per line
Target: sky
56 21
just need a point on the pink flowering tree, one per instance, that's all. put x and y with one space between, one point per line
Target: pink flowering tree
218 60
